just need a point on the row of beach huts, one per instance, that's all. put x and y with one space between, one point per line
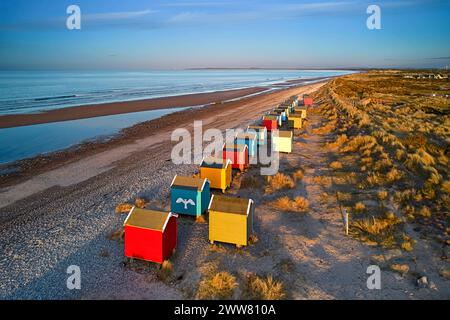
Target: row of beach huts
152 235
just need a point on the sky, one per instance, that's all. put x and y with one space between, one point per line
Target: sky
164 34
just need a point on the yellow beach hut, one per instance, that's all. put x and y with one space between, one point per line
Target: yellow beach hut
295 121
230 220
301 110
217 171
282 141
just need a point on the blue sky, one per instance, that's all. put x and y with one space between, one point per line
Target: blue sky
138 34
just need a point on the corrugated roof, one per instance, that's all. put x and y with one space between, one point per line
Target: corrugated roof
230 205
189 182
213 162
148 219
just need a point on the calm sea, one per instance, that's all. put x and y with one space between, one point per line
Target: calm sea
37 91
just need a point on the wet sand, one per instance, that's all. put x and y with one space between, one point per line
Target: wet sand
107 109
22 170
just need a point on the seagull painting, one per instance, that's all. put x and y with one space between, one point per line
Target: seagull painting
185 202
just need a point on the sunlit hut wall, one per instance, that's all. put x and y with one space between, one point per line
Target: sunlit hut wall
283 112
301 110
282 141
277 116
150 235
230 220
238 154
261 132
249 139
270 122
217 171
189 196
295 121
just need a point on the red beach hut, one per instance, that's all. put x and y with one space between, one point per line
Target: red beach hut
307 100
238 154
150 235
270 122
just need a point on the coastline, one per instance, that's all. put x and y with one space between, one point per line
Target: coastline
18 171
122 107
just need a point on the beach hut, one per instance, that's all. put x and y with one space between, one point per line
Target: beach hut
282 141
278 116
270 122
301 110
238 154
217 171
295 121
150 235
282 112
248 139
189 195
286 108
307 100
261 133
230 220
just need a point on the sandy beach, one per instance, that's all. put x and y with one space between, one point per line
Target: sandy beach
60 212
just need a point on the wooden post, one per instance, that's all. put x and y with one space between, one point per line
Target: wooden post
346 221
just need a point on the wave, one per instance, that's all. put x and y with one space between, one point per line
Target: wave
55 98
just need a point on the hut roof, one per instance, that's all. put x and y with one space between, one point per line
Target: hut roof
235 147
230 205
188 182
257 128
246 135
285 134
148 219
269 117
213 162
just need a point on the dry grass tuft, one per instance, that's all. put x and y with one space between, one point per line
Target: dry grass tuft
200 220
253 239
400 268
264 288
123 208
219 286
382 195
165 271
117 235
425 212
298 175
279 181
299 204
407 243
140 203
360 207
336 165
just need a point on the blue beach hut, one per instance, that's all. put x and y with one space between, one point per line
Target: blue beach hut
249 139
189 195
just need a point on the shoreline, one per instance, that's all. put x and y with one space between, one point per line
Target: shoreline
94 110
123 107
18 171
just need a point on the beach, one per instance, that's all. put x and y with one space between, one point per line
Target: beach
214 103
59 211
106 109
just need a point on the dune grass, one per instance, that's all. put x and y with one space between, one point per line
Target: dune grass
220 285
